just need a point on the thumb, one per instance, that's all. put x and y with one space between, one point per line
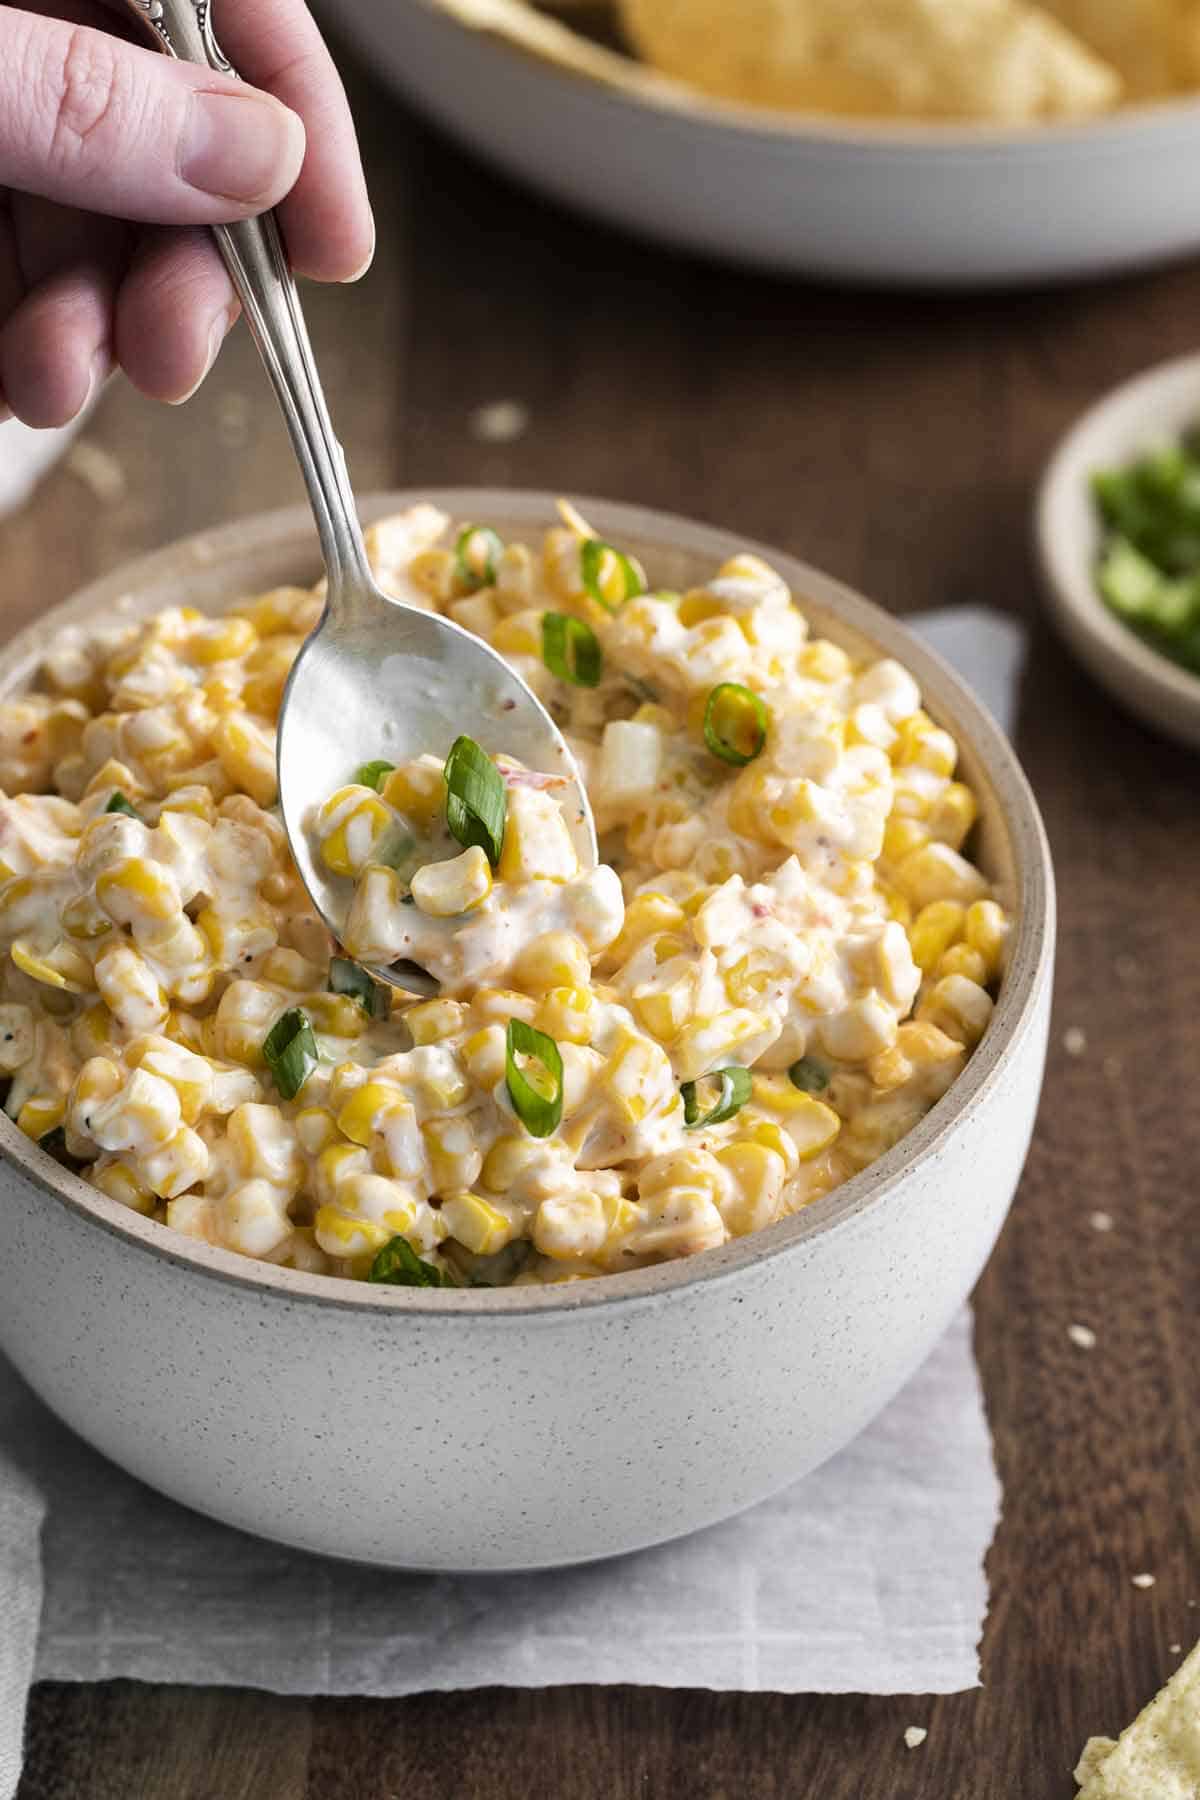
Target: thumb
94 122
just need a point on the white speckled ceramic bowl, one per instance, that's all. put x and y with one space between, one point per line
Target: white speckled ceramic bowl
1150 410
521 1428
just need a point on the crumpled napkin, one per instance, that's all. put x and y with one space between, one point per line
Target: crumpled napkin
867 1576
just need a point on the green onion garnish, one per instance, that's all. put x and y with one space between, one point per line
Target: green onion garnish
394 848
119 804
597 561
373 774
290 1050
735 1091
735 723
398 1264
475 800
539 1110
571 650
810 1076
476 551
351 979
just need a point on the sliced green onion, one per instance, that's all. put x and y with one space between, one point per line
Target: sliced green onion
399 1265
351 979
290 1050
475 799
735 1091
539 1111
735 723
373 774
476 551
809 1075
571 650
394 848
595 567
119 804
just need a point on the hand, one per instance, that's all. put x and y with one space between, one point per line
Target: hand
112 158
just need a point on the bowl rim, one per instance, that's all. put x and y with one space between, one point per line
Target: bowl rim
674 101
1030 962
1066 557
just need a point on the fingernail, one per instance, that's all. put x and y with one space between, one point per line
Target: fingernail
101 370
216 337
359 273
243 147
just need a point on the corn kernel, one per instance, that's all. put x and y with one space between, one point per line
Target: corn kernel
445 890
363 1113
246 752
556 959
121 1182
987 932
934 929
567 1015
958 1007
901 836
42 1113
350 826
478 1224
758 1176
961 959
418 790
936 872
952 815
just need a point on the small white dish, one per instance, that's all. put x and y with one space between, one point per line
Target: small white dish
1153 408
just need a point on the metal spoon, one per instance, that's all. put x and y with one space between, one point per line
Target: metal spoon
377 679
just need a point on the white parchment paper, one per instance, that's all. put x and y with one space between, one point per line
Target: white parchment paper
866 1577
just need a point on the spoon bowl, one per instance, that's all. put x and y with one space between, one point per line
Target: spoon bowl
377 678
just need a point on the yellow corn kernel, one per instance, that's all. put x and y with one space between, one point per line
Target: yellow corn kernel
345 1080
455 1161
92 1032
246 752
758 1176
936 872
446 890
773 1137
645 915
556 959
134 890
288 969
62 967
336 1015
961 959
483 1055
747 806
122 1183
350 825
246 1013
40 1114
507 1160
823 661
83 918
282 609
959 1007
344 1234
224 640
432 1021
417 790
190 1075
193 799
890 1068
898 907
267 674
934 929
567 1014
337 1162
363 1113
923 1043
664 1011
920 741
520 634
503 1004
952 815
707 1042
434 572
632 1067
987 932
901 836
477 1224
316 1129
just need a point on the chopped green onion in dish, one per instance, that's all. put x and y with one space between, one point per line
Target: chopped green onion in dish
476 552
399 1265
290 1050
733 1092
735 723
1148 570
119 804
809 1075
350 978
476 804
374 774
536 1093
609 576
571 650
395 848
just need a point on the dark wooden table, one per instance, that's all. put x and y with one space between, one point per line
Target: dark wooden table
894 441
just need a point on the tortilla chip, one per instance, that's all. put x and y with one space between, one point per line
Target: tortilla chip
1000 60
1158 1756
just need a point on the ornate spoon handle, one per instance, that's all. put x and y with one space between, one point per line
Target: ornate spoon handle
257 263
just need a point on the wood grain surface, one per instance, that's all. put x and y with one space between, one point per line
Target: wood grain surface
895 442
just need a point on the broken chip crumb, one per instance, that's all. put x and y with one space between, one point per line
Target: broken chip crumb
1158 1756
1083 1336
1142 1581
914 1735
1074 1041
1100 1221
503 422
1175 1649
